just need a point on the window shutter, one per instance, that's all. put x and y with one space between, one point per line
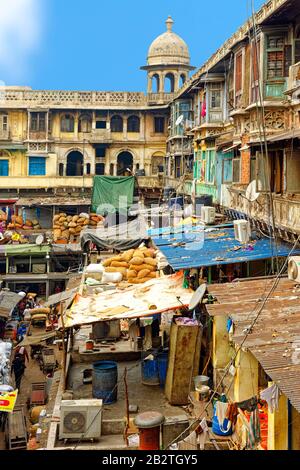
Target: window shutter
238 72
297 51
3 167
287 59
37 166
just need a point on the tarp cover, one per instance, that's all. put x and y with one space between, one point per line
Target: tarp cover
113 192
15 250
153 297
66 296
8 301
37 339
119 237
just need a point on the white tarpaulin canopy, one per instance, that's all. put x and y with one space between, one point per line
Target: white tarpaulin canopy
153 297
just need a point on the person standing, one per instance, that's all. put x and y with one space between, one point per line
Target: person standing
18 367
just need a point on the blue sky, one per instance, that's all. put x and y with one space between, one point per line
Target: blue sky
100 44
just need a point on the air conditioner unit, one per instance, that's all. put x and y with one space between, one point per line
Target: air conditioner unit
242 231
80 419
294 268
208 214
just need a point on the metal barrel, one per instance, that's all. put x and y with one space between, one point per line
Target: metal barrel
105 380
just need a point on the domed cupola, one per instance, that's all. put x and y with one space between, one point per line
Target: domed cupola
168 63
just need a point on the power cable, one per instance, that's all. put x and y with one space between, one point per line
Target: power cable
249 330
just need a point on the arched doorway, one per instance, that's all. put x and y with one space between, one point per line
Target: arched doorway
125 163
75 164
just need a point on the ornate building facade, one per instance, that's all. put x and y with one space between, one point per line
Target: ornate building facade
53 142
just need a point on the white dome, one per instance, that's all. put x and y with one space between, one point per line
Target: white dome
168 49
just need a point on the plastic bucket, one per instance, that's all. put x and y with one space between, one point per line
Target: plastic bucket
216 428
162 363
200 380
150 375
105 380
89 345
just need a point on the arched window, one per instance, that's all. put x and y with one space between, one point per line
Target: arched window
182 80
75 164
169 83
67 123
133 124
155 83
85 123
116 124
61 169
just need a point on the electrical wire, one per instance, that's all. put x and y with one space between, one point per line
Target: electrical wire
249 330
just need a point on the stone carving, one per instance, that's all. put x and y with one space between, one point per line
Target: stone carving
274 119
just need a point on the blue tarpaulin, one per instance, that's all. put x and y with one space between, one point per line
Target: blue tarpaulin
194 247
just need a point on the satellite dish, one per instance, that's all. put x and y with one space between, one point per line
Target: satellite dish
251 193
39 240
179 120
197 297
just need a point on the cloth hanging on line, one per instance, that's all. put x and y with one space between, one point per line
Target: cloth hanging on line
232 413
254 429
221 412
271 396
248 405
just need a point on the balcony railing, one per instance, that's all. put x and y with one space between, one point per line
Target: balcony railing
101 135
43 182
161 98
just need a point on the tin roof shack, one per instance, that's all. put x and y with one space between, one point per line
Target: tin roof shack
268 349
216 250
152 298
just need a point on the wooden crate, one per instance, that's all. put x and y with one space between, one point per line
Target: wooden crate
16 433
38 394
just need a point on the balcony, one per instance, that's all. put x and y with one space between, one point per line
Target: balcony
286 209
151 182
45 182
159 98
101 136
4 135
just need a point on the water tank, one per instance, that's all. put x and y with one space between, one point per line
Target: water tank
105 380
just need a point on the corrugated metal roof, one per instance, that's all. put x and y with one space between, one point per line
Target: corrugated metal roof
275 337
193 247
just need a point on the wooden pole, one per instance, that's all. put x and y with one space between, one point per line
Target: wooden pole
64 359
127 406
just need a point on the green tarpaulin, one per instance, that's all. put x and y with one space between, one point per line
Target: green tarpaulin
112 193
25 249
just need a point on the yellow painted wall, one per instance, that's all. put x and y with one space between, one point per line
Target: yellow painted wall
246 378
278 426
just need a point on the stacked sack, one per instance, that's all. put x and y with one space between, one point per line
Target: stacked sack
136 266
17 223
67 228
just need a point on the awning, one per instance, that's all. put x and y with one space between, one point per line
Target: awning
13 147
229 149
53 201
8 301
295 134
25 249
152 298
37 339
66 296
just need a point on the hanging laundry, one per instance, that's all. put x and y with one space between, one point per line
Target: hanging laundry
202 436
248 405
203 109
271 396
254 429
232 413
221 412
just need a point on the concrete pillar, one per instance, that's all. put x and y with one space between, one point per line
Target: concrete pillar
125 127
94 120
295 420
76 124
149 87
278 426
115 169
246 378
161 82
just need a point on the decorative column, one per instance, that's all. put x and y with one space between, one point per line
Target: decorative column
149 87
161 82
